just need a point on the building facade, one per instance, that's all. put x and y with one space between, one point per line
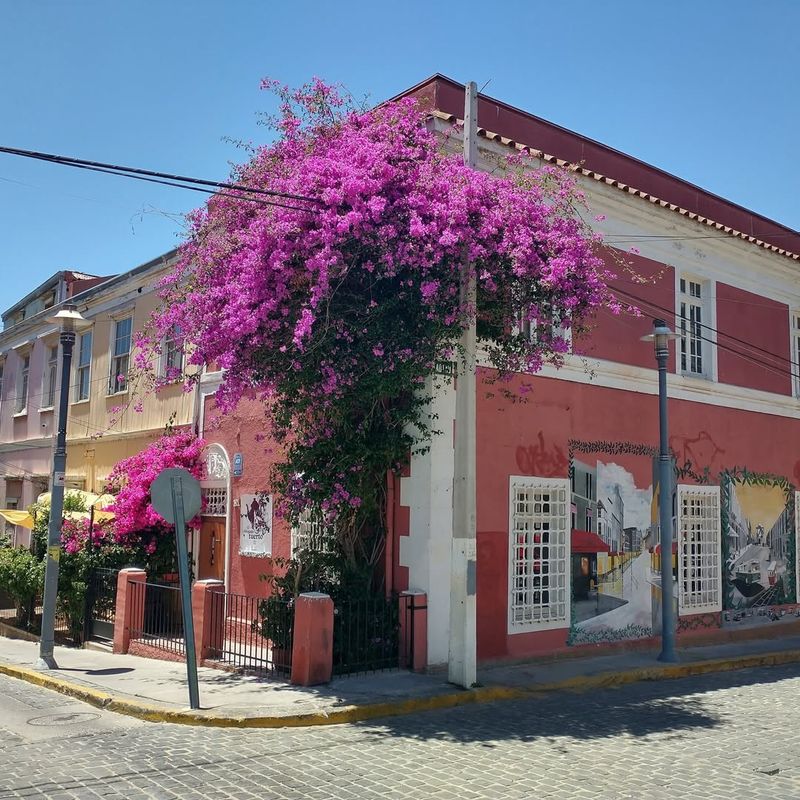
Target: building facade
103 426
725 279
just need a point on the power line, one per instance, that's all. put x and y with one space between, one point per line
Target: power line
730 336
771 368
168 179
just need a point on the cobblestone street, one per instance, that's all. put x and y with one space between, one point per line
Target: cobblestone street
728 735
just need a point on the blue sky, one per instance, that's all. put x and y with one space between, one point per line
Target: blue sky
704 90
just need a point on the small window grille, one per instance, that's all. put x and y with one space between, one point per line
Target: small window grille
538 554
311 533
215 501
699 550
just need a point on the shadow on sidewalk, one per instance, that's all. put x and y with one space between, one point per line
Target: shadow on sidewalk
670 707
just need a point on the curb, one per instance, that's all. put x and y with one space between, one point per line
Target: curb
485 694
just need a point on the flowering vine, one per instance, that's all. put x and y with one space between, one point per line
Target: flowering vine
334 301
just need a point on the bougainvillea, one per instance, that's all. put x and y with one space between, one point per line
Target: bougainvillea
335 301
136 522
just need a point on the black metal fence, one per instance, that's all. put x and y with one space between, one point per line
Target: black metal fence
156 616
253 634
366 635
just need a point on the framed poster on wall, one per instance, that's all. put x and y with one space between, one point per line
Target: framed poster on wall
255 525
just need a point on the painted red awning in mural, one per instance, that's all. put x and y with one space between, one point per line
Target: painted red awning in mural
588 542
658 548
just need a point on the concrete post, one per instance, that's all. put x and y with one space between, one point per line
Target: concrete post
130 606
414 631
312 647
208 610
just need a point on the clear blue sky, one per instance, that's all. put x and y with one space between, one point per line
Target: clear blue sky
706 90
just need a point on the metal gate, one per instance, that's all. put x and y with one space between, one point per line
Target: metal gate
101 603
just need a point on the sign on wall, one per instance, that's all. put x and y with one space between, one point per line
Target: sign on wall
255 525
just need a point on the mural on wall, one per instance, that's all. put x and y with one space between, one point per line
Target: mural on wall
759 547
615 552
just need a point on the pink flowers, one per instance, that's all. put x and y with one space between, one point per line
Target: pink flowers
336 305
131 479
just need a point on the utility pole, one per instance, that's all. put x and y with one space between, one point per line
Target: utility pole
463 566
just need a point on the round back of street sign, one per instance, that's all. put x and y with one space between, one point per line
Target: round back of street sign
161 493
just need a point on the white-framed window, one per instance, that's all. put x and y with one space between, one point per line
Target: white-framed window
23 375
796 352
558 327
2 368
50 377
539 550
83 367
171 361
699 549
215 501
120 355
694 324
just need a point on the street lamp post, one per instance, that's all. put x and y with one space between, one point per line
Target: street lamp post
661 337
69 318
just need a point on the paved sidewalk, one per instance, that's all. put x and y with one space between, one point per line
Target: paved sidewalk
157 691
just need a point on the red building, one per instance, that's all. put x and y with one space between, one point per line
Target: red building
725 279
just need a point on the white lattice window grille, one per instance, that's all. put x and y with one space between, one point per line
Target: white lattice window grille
311 533
557 327
215 501
699 550
539 561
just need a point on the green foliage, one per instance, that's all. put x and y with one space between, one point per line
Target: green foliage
22 578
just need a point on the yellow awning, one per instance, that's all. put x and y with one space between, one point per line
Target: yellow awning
17 517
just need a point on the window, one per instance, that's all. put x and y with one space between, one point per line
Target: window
588 519
22 383
2 367
120 356
796 352
83 367
589 487
50 377
691 327
172 354
311 533
538 554
558 328
215 501
699 550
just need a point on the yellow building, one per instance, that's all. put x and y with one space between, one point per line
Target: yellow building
103 426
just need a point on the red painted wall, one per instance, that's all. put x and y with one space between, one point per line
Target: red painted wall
237 434
533 439
650 287
762 323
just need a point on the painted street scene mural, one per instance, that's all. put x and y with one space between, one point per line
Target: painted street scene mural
615 553
759 550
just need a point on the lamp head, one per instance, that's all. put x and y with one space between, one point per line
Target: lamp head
661 336
68 318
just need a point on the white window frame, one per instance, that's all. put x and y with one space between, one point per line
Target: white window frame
699 565
117 358
82 368
168 352
311 533
558 557
50 382
794 327
23 383
707 325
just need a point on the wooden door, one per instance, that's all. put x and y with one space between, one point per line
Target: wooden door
211 554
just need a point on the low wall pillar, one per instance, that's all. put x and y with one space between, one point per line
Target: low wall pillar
208 611
312 646
129 613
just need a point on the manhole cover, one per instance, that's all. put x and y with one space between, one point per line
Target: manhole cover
75 718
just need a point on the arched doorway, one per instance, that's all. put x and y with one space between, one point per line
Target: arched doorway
211 553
